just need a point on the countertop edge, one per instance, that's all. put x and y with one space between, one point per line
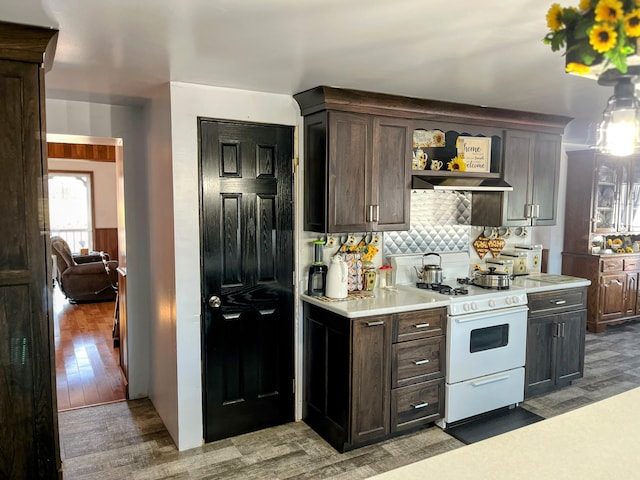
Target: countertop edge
408 301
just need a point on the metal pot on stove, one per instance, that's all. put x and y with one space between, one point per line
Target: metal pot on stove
492 279
430 273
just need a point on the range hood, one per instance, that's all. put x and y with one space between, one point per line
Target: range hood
470 184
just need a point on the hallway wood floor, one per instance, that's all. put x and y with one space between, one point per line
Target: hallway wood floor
87 365
128 439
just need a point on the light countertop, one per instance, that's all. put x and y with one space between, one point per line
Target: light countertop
597 441
383 302
543 282
406 299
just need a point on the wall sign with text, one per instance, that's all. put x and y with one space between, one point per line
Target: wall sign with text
476 153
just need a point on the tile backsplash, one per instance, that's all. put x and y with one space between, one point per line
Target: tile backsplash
439 223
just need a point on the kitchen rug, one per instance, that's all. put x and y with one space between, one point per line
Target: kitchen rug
492 424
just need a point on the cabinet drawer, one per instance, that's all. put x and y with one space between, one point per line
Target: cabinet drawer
419 324
416 405
417 361
611 265
631 263
557 301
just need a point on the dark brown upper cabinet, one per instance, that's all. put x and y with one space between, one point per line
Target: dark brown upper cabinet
358 152
356 172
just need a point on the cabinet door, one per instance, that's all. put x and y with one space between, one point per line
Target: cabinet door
570 346
546 166
371 378
605 198
326 374
349 149
631 294
540 364
518 152
390 170
611 303
634 196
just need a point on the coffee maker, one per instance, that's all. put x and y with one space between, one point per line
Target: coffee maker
317 272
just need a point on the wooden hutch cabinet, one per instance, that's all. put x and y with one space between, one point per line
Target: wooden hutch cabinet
29 445
603 205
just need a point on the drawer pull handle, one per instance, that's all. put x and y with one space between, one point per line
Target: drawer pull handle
423 325
421 362
375 324
490 380
420 405
231 316
270 311
559 302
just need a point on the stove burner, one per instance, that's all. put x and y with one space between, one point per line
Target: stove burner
443 289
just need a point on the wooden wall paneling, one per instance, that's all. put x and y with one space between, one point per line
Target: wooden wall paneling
106 240
79 151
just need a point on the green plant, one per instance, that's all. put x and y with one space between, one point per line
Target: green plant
596 31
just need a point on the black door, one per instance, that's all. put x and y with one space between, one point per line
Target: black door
247 276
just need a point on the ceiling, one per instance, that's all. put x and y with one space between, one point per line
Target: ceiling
484 53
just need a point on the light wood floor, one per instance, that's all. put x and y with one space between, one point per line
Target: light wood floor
128 440
87 365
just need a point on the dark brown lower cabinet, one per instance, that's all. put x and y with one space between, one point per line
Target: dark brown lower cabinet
362 385
555 340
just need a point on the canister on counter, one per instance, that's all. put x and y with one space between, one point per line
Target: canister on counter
519 259
502 265
534 257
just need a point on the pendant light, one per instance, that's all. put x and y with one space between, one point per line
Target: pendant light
619 130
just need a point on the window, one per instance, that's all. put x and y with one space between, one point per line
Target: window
71 207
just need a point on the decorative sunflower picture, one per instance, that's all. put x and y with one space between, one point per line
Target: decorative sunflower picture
457 164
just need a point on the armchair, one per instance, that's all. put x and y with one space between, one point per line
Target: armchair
83 278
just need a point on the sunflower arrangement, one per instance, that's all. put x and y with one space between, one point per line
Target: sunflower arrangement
594 32
457 164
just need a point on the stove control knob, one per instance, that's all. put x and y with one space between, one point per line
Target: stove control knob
466 307
474 306
492 303
507 300
515 299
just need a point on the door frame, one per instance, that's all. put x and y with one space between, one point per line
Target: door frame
77 154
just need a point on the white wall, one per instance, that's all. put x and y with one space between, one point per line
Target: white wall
188 102
163 329
102 120
104 187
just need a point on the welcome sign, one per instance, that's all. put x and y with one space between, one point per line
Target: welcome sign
476 152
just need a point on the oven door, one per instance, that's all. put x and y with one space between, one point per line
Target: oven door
485 343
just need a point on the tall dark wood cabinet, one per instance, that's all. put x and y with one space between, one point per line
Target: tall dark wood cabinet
28 413
602 204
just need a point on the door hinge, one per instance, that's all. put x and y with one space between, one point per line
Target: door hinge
293 277
293 381
295 163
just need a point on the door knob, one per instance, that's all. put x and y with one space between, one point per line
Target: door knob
214 301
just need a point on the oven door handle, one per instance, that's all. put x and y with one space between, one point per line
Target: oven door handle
471 317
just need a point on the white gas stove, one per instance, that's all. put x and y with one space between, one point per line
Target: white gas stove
486 336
